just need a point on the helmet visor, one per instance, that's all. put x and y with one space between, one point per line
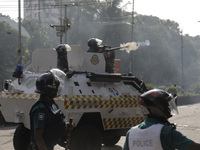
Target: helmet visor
61 77
98 41
68 47
173 106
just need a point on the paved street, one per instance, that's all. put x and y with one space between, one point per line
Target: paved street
187 122
6 142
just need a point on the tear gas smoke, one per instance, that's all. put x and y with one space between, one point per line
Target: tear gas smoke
132 46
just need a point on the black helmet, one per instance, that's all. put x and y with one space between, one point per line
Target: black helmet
47 84
62 49
158 103
94 43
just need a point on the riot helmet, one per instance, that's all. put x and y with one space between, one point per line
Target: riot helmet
94 44
158 103
47 84
62 49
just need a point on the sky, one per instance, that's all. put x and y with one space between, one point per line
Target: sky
184 12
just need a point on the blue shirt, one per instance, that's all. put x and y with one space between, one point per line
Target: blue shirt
171 139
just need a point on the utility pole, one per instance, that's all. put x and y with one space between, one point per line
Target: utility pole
64 25
19 35
182 74
39 16
18 73
61 32
132 24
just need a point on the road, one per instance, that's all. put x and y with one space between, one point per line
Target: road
187 122
6 140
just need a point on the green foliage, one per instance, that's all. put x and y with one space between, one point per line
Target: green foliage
150 86
172 89
8 50
195 88
162 87
42 35
27 56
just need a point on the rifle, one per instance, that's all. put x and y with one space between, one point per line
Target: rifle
130 46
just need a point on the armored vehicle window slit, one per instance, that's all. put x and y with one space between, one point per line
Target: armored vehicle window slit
76 83
89 84
80 91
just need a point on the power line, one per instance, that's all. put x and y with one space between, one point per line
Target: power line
27 8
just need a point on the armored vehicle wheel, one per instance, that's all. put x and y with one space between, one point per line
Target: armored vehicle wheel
86 137
21 139
2 120
110 141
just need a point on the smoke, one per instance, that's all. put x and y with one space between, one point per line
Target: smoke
145 43
132 46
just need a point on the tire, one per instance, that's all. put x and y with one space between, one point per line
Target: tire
86 137
21 139
111 141
2 120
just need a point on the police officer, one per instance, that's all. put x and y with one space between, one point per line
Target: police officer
46 119
156 133
62 50
96 47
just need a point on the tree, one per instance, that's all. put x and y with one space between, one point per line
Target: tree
99 19
8 49
42 35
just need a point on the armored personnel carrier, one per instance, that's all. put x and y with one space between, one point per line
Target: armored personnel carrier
103 105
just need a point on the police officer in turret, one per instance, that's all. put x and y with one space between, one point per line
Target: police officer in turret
156 132
46 119
62 50
96 47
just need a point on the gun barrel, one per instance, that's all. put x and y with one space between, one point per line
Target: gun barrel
117 48
114 48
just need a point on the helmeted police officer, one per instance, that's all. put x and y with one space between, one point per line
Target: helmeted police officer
156 133
46 119
96 47
62 50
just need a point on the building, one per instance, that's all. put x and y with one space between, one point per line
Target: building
46 10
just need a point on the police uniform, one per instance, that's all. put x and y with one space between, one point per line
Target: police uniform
109 57
170 138
46 115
